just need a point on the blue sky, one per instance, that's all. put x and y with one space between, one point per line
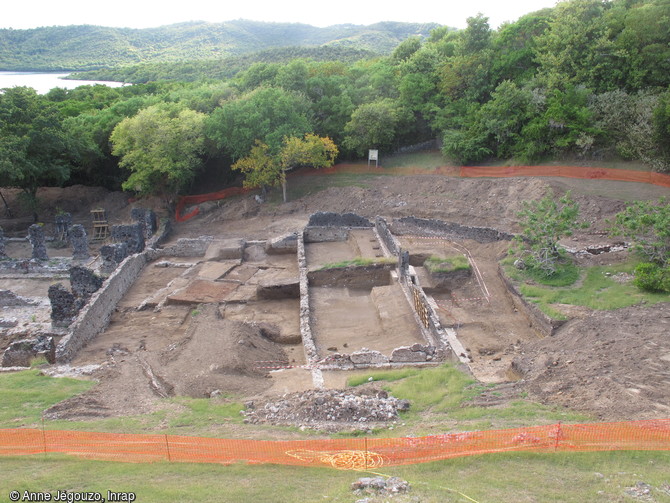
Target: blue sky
151 13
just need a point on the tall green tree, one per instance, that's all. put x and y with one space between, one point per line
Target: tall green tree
32 143
576 48
263 169
161 148
266 114
312 150
544 223
375 125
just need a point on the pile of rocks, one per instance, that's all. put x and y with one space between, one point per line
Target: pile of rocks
329 410
380 486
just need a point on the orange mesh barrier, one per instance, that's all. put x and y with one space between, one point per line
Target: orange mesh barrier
201 198
344 454
568 172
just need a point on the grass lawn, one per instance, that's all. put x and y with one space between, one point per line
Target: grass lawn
496 478
596 289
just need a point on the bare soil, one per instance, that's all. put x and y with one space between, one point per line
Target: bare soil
615 365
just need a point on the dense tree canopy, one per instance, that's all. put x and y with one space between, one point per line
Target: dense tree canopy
160 146
32 142
266 114
587 79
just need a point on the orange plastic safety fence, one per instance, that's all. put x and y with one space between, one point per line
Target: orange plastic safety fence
201 198
345 454
568 172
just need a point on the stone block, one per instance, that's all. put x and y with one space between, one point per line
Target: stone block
84 282
79 241
64 307
227 249
368 357
288 243
132 235
22 353
406 355
147 219
36 238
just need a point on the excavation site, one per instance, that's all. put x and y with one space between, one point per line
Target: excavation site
254 303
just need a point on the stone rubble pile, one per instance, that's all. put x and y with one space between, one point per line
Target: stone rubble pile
322 408
380 486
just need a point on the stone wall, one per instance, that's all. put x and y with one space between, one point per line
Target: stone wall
325 234
384 235
413 225
95 316
329 219
185 247
542 323
164 231
363 277
311 354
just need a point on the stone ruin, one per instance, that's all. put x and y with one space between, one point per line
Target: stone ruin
63 223
79 241
112 255
37 240
132 235
22 353
147 219
65 304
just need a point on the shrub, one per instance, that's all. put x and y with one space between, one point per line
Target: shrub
652 278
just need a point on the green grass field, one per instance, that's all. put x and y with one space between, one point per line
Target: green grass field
594 287
439 397
495 478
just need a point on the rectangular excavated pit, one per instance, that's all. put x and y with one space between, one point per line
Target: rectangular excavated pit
346 320
359 304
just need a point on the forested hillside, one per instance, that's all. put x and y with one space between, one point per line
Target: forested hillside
587 80
68 48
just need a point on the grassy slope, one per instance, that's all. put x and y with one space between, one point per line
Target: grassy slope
438 396
500 478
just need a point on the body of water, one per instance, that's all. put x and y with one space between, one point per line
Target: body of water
44 82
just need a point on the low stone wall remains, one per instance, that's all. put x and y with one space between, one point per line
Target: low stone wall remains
95 316
329 219
413 225
542 323
362 277
386 238
308 344
184 247
325 234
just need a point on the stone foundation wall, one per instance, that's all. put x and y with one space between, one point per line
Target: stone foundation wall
329 219
305 310
185 247
413 225
386 238
325 234
353 276
95 316
542 323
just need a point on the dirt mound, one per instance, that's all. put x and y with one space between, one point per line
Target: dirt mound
215 357
614 364
218 354
329 410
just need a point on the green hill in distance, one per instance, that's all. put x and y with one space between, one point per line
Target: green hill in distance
72 48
